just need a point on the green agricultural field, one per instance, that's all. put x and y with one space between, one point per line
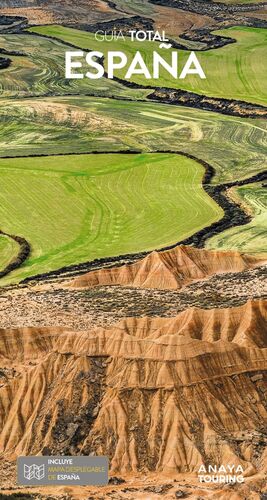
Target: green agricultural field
250 238
41 71
77 208
9 249
235 147
236 71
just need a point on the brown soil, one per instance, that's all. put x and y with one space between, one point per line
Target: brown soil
175 21
35 15
259 14
59 11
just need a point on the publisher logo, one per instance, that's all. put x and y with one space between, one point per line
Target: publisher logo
62 470
221 474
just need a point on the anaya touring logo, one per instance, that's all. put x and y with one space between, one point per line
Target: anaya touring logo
221 474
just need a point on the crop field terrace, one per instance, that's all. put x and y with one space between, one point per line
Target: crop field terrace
235 147
83 206
250 238
9 249
235 71
40 70
90 206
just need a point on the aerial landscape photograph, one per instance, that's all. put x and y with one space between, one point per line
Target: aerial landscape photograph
133 247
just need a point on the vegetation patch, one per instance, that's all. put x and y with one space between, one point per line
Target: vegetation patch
40 70
9 250
83 207
235 71
235 147
250 238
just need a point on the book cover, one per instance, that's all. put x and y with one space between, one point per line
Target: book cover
133 249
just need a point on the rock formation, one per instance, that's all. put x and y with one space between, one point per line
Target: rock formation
161 394
170 269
